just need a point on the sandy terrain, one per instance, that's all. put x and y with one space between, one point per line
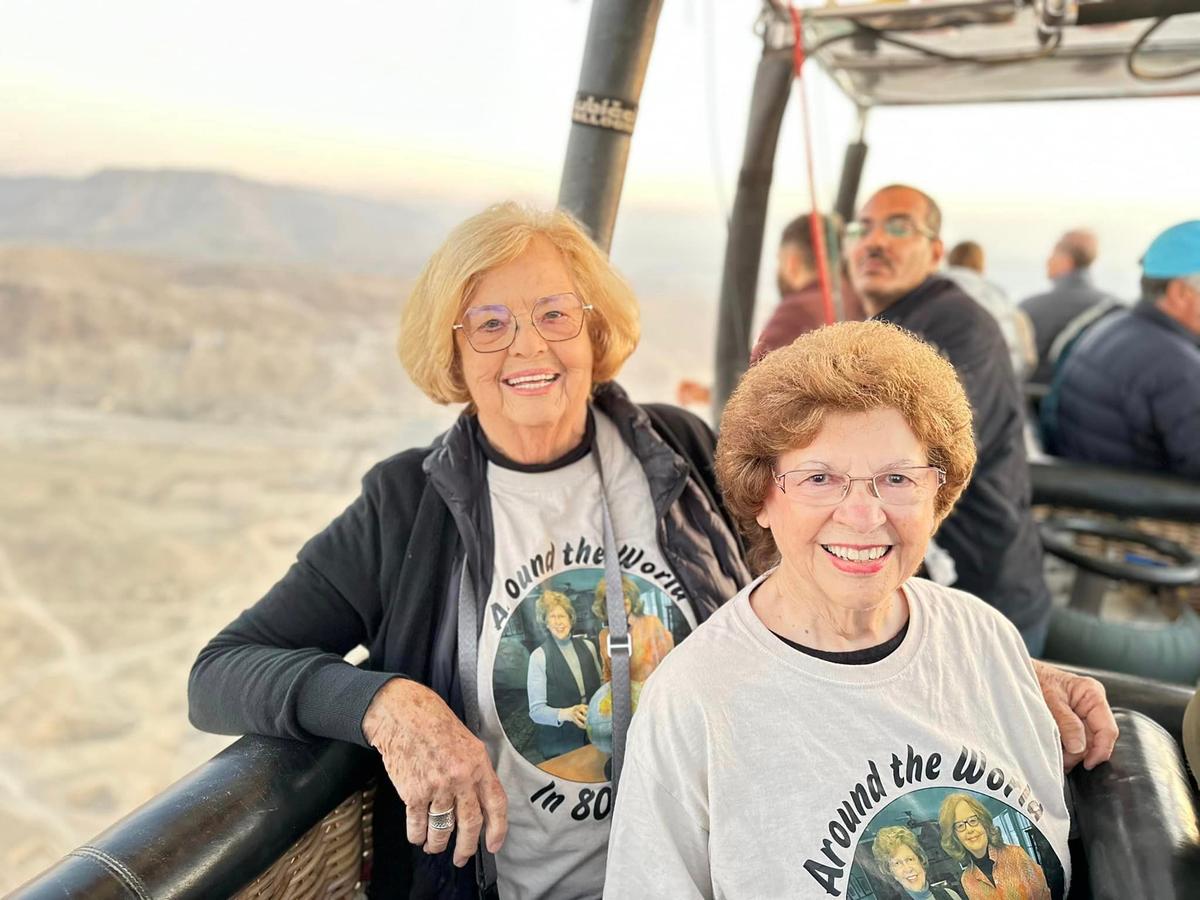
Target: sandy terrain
124 544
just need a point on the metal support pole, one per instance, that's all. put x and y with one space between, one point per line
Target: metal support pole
615 57
852 169
743 247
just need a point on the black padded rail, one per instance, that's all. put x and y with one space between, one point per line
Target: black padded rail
1137 817
213 831
1058 533
1120 492
1160 701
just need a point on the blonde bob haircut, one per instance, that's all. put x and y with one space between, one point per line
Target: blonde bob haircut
781 402
496 236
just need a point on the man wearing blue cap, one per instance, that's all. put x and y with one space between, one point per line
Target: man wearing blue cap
1128 392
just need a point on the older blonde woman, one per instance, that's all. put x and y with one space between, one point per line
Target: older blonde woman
900 857
564 673
522 319
995 870
837 680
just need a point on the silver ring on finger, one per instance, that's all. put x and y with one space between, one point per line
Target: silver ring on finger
441 821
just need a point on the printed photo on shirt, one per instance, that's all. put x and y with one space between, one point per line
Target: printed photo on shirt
552 675
953 844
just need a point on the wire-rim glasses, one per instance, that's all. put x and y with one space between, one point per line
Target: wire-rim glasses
897 486
899 226
493 327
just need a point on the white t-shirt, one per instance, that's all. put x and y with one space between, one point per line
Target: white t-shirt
549 546
754 770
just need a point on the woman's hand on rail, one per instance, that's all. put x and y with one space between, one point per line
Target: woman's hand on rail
436 763
1079 706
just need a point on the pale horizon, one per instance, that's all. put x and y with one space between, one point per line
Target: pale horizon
470 105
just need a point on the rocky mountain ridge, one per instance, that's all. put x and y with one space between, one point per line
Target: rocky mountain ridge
219 216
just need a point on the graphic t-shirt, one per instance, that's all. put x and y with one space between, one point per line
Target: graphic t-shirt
756 771
544 674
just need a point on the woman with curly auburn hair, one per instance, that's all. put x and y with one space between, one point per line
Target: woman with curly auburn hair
838 456
783 402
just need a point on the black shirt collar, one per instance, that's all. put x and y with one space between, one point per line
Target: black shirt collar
582 449
853 657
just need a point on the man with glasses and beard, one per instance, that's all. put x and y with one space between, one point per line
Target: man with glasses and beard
894 251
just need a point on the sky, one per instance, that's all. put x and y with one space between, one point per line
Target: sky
400 99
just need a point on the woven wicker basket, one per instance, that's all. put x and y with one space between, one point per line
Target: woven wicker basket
328 861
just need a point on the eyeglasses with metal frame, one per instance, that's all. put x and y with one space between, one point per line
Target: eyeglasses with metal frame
493 327
899 226
897 486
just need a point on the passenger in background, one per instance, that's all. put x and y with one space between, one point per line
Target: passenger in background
894 252
965 267
1128 393
801 306
1073 294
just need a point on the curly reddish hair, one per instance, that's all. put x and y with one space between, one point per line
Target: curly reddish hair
781 403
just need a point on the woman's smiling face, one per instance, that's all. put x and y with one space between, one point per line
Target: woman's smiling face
534 384
973 835
559 623
859 551
907 869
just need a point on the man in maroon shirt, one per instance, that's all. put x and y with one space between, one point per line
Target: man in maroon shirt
801 307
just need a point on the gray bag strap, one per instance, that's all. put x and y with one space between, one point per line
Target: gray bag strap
468 673
619 648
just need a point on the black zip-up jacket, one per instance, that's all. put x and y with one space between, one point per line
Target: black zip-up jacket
385 574
990 533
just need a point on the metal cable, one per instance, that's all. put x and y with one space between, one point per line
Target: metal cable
1131 64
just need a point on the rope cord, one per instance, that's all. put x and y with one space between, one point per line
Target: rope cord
1141 75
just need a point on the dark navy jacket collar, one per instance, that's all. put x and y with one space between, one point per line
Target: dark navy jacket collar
1148 310
930 287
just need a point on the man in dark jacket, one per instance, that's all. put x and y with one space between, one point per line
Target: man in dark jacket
1128 392
1073 294
894 250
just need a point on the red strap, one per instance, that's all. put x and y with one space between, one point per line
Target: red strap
798 43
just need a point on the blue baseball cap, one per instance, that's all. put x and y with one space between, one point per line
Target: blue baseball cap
1175 253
